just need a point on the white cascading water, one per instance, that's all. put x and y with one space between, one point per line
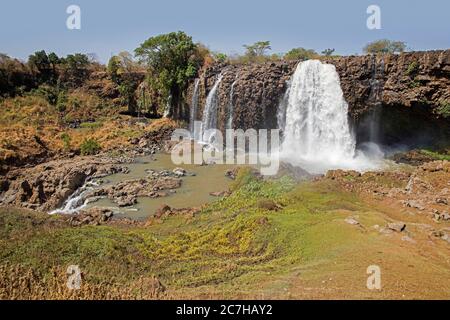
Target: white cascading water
314 121
209 120
78 200
231 107
194 106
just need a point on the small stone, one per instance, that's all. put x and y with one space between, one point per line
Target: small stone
351 221
180 172
397 226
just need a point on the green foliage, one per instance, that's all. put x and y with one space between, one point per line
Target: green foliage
66 141
385 46
328 52
49 93
61 103
91 125
15 76
172 61
300 54
413 68
90 147
436 155
74 69
414 84
220 57
444 109
258 49
113 68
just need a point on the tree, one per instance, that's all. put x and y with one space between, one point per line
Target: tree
40 64
328 52
258 49
300 54
385 46
171 61
220 57
74 69
15 76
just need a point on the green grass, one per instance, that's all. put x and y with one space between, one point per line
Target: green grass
232 244
436 155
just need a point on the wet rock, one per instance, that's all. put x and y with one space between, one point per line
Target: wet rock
232 173
162 210
179 172
125 193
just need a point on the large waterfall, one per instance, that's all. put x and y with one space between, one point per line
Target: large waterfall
209 120
314 119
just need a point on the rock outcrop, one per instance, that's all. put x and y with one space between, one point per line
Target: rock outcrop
410 88
45 187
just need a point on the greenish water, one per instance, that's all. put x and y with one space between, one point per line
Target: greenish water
193 192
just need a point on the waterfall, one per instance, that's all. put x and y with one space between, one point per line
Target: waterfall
375 98
194 106
78 200
209 120
316 128
168 109
230 110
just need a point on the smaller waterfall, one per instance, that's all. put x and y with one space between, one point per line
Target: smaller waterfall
281 114
168 110
194 106
230 110
209 120
375 98
78 200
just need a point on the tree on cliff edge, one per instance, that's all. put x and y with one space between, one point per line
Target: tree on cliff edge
171 60
385 46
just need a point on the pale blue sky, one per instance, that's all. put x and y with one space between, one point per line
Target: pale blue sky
111 26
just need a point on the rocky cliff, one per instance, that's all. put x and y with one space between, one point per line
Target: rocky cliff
414 86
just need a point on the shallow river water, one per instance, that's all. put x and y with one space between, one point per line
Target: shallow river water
193 192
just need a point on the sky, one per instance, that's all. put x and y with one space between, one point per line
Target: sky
111 26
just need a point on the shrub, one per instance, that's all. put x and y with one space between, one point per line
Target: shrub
89 147
444 109
61 103
385 46
66 141
300 54
413 68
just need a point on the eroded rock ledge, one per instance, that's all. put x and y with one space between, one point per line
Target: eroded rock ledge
414 83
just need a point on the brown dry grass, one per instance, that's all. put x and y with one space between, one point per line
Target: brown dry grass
21 283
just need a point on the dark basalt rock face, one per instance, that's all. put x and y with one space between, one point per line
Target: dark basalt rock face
408 88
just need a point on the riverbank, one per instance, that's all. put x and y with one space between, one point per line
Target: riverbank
268 239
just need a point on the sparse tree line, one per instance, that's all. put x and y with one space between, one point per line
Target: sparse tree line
167 62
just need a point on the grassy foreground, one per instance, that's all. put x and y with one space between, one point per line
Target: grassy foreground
269 239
